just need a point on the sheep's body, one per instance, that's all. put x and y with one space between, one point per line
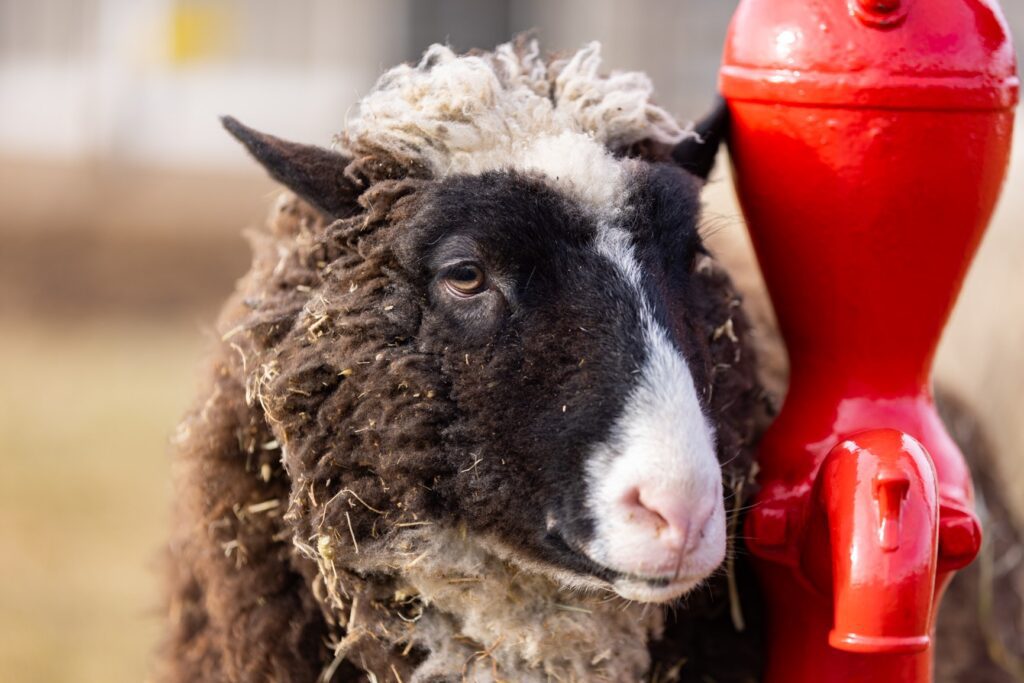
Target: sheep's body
251 598
314 536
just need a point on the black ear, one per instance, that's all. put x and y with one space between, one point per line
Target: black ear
315 174
697 154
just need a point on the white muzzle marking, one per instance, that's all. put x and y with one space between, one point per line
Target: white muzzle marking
655 486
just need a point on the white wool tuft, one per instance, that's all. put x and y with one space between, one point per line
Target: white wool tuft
484 612
510 109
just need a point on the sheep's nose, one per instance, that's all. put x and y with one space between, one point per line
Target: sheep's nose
659 529
664 514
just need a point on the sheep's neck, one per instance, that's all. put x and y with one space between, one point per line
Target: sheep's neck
482 617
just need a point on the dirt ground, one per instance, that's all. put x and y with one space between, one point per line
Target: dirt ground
105 295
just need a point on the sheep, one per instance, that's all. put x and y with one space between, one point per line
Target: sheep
482 397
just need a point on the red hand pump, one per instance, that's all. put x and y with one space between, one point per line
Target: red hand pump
870 140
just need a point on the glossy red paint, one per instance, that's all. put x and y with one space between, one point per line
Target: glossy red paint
875 505
870 140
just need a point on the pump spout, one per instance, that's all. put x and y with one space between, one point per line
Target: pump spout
874 506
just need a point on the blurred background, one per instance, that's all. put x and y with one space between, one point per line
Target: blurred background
121 208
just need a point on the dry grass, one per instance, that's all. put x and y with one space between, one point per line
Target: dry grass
85 413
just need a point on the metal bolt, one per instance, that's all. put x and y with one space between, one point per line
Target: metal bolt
881 14
959 539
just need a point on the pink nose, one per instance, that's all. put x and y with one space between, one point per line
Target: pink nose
663 513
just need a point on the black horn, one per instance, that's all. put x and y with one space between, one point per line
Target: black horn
315 174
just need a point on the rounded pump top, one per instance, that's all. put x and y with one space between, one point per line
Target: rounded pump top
896 54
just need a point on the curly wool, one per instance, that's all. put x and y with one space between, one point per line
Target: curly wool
469 607
512 109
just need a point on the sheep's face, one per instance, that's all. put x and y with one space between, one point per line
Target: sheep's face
579 375
563 334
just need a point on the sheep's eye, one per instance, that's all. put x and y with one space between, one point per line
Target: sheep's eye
465 279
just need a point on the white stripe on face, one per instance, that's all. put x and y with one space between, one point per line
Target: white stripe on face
655 486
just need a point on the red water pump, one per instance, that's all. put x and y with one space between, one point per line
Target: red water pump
870 140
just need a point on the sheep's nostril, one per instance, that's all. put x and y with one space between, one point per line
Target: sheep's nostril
652 510
664 513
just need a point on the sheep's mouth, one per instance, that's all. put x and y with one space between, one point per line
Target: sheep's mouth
578 561
628 585
656 590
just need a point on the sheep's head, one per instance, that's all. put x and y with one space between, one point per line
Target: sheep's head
505 322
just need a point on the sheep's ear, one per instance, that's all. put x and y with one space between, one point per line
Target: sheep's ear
697 154
315 174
